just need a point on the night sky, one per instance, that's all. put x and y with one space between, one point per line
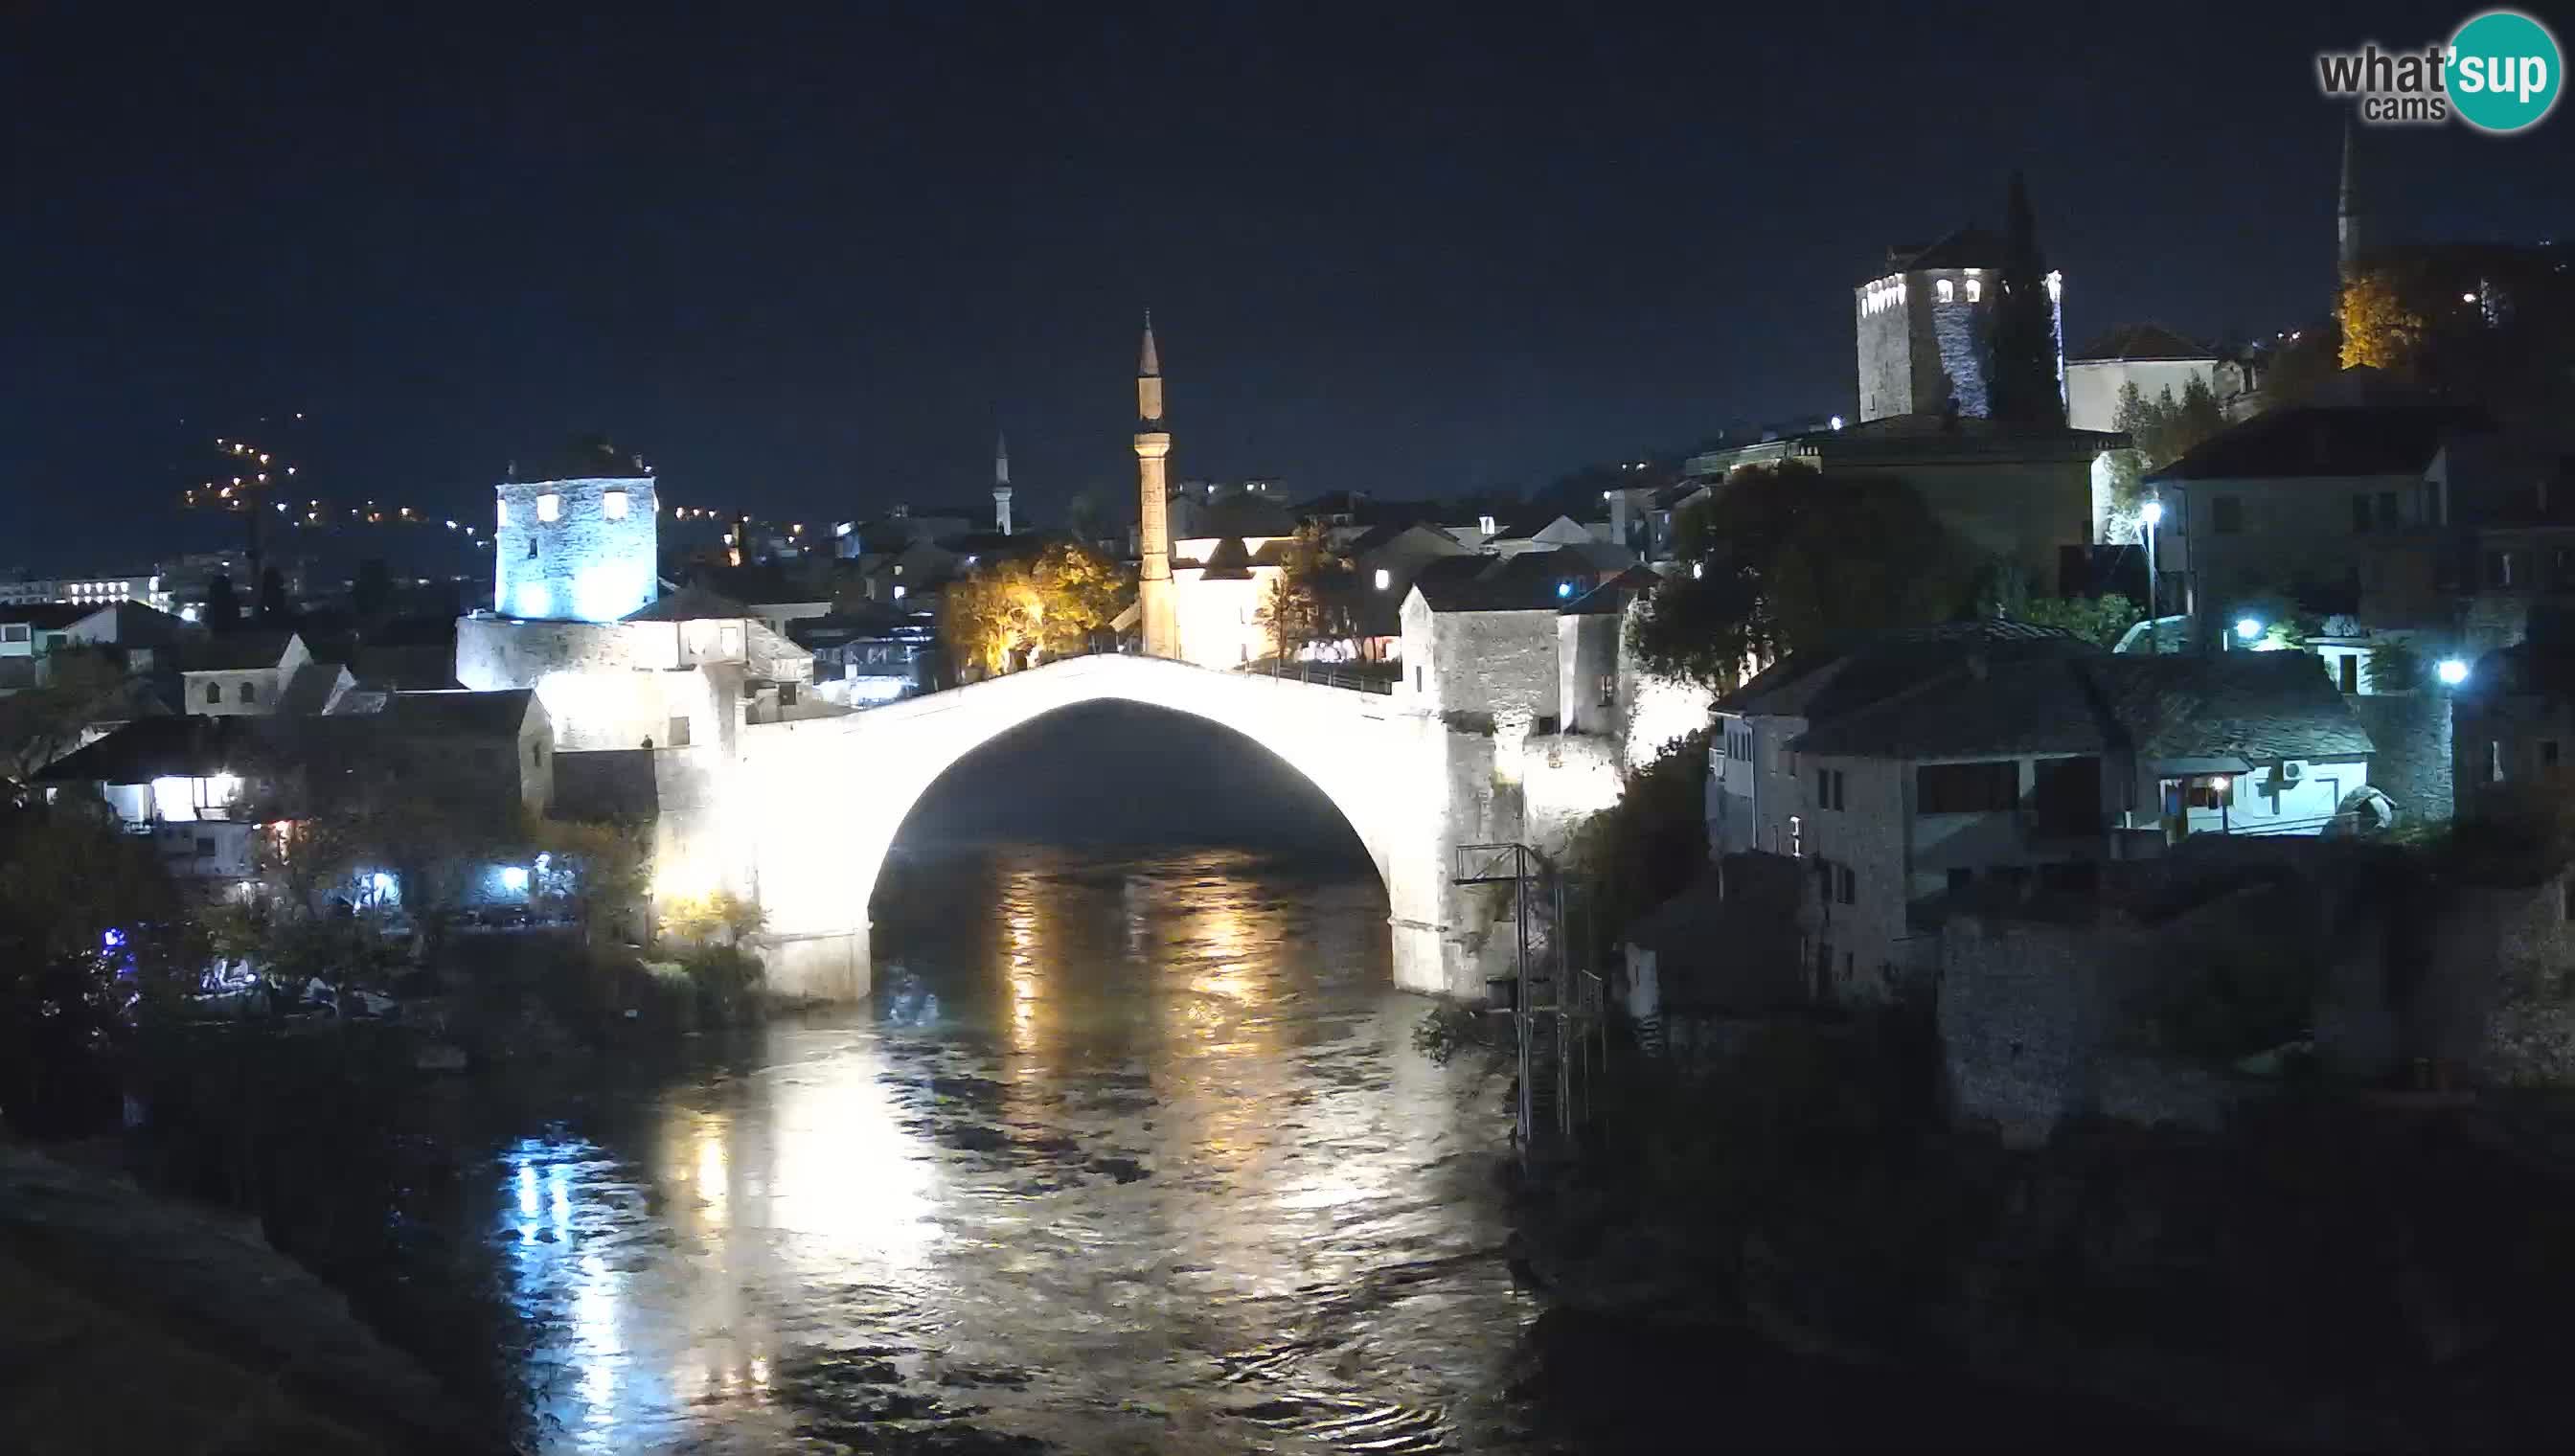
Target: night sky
810 264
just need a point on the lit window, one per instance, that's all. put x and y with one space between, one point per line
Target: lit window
550 507
1949 291
1485 523
1385 579
612 505
1976 290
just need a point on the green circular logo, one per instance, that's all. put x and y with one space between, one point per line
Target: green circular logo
2504 71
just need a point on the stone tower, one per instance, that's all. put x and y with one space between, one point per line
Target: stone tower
1158 617
2349 234
1922 324
1002 484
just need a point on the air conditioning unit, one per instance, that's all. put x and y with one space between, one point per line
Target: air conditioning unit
2287 772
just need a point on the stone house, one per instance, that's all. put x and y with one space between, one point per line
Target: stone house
2513 721
256 674
1929 766
1479 639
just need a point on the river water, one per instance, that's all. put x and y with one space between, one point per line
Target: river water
1129 1154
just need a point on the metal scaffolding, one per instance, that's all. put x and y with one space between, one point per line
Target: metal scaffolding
1555 999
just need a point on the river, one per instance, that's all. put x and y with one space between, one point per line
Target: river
1129 1153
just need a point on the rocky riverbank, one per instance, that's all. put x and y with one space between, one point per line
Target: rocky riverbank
2332 1276
141 1325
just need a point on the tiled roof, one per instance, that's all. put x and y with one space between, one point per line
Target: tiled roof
1821 682
308 691
688 603
497 714
173 746
2143 342
1532 580
2259 707
234 652
2256 707
2311 440
1966 248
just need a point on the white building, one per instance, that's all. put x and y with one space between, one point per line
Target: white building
2155 358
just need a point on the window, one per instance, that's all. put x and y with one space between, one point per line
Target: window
531 547
214 692
1385 579
2499 569
1608 690
787 694
611 503
2199 793
1417 681
249 690
1796 837
1845 884
1828 789
15 632
2387 518
2226 514
679 733
205 847
2348 665
2065 795
1976 290
1955 788
550 507
1485 523
1949 291
2361 516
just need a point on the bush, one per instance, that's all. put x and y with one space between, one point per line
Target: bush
725 980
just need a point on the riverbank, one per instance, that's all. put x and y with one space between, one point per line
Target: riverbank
2329 1275
140 1324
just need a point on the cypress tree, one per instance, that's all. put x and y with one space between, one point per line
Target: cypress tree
2020 369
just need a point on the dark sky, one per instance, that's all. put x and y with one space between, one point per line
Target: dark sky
809 263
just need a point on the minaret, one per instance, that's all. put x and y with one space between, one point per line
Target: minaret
2347 214
1158 617
1002 484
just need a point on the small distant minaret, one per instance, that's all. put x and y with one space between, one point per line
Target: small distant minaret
1158 615
1002 484
2348 218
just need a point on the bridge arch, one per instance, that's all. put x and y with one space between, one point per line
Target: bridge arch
816 805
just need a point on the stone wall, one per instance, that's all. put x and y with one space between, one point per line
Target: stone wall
2411 759
586 564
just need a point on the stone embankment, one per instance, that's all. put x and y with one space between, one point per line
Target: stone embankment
138 1325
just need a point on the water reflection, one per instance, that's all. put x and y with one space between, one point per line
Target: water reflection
1139 1161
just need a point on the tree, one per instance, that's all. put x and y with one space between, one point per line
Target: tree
42 724
1310 600
599 872
2379 330
2021 373
1005 611
272 596
2393 667
1781 557
93 939
223 606
717 916
2101 620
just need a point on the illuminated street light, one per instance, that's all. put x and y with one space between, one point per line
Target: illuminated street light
2247 629
2452 672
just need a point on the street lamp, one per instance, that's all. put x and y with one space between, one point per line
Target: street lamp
2153 514
2452 672
2247 629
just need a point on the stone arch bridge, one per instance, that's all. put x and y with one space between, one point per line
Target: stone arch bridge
802 816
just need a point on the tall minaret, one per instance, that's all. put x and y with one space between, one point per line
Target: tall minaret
1002 484
2348 239
1158 616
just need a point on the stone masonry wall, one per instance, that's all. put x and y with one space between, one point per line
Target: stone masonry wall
2411 761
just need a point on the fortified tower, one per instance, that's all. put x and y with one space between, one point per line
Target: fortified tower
1158 616
578 543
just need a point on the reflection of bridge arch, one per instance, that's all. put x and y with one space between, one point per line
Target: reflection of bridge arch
815 804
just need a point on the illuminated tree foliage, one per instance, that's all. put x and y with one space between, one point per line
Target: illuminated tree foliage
2379 330
1310 602
1781 557
1017 613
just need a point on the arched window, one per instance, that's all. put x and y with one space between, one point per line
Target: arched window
1949 291
1976 290
249 691
214 692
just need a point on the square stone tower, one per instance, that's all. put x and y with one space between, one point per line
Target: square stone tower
1922 326
578 545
